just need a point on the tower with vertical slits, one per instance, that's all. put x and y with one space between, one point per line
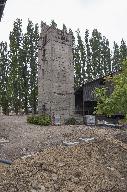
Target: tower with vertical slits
55 71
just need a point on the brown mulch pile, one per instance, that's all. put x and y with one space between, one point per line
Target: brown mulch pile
95 166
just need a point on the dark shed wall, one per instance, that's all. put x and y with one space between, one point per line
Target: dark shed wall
89 88
85 100
89 99
79 101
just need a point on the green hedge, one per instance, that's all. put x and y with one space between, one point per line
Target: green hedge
39 120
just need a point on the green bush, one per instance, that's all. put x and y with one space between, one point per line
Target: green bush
39 120
71 121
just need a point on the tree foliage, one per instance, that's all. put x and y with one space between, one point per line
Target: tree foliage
18 69
92 59
116 102
32 37
79 61
116 60
4 78
15 83
89 68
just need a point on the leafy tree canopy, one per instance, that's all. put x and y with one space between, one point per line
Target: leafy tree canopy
116 102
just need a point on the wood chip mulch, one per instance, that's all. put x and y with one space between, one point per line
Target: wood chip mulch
95 166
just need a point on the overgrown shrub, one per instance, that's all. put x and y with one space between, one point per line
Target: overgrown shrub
39 120
71 121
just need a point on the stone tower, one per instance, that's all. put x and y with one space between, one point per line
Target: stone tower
56 71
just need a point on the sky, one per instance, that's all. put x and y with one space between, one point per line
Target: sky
108 16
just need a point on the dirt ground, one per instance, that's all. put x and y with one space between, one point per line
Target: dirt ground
27 139
96 162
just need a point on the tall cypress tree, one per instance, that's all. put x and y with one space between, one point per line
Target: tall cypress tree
16 65
25 74
116 60
89 69
95 43
4 76
80 61
123 51
82 52
33 37
105 56
77 67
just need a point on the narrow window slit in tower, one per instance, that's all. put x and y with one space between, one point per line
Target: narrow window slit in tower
45 40
43 73
43 52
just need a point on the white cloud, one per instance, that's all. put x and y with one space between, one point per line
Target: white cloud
108 16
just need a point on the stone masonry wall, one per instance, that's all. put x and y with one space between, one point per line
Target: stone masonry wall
56 72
